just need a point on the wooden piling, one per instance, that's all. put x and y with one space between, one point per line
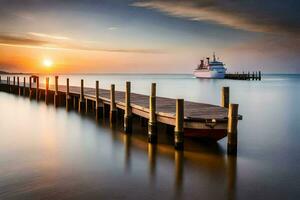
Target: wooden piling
13 87
113 109
68 98
81 98
24 86
56 94
7 83
37 88
47 91
128 113
225 97
152 124
179 125
259 75
232 129
30 87
99 107
18 85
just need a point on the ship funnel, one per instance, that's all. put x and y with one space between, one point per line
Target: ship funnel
208 60
202 63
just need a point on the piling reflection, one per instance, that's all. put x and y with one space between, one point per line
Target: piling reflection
152 154
127 146
231 177
179 171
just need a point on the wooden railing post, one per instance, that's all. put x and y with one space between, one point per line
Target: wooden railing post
113 109
179 125
232 129
68 98
152 124
47 91
81 98
128 113
225 97
56 94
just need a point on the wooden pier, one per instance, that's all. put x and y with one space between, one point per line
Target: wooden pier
254 76
188 119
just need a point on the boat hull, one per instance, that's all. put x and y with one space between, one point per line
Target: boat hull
209 134
209 74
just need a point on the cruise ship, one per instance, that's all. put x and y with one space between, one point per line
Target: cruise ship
210 69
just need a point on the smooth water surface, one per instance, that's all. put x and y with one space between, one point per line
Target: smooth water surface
48 153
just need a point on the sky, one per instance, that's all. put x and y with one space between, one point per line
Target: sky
148 36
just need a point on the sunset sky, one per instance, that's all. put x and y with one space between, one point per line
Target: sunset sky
154 36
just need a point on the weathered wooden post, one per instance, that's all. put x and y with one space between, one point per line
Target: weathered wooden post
99 108
24 86
152 124
128 113
253 76
232 128
13 87
259 75
113 109
18 85
10 86
179 124
225 97
47 90
30 87
68 98
56 95
86 105
81 98
37 89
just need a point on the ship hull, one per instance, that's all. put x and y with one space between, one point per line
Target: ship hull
209 74
208 134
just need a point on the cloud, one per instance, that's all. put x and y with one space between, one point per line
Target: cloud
33 40
269 16
11 39
112 28
43 35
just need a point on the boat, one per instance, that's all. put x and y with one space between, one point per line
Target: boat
210 69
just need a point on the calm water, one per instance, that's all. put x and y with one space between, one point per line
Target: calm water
48 153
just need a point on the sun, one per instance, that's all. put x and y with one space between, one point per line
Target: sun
48 62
